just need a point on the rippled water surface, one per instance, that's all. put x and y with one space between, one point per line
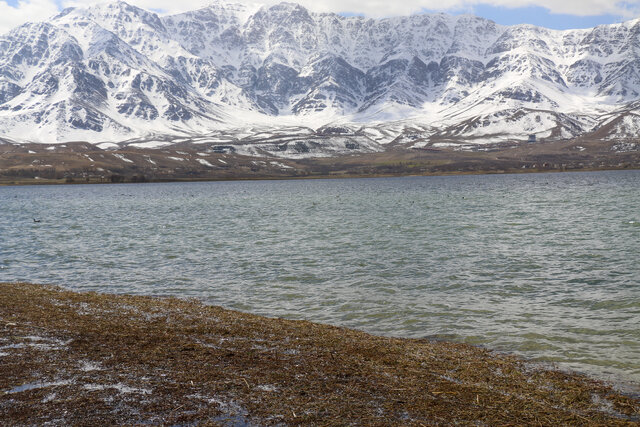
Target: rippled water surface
543 265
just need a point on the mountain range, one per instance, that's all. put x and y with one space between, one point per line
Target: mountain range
284 81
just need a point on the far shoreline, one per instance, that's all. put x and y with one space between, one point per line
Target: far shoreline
5 182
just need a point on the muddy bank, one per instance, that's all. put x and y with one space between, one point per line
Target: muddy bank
81 358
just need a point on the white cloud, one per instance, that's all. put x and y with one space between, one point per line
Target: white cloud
377 8
25 10
38 10
573 7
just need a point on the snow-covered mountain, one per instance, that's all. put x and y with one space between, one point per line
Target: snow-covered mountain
114 73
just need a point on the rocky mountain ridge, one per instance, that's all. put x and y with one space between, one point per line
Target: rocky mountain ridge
263 80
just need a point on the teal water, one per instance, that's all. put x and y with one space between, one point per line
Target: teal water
545 265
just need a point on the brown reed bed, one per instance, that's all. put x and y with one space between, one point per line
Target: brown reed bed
94 359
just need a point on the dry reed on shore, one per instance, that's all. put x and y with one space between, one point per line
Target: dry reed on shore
87 358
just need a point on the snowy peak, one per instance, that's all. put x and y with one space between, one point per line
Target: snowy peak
118 15
114 71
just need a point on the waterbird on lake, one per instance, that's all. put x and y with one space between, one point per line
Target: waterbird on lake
36 220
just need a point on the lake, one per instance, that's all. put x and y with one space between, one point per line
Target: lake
543 265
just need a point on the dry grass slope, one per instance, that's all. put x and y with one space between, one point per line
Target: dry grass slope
80 162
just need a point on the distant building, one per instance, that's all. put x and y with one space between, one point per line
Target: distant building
532 138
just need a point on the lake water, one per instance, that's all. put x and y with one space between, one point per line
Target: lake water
544 265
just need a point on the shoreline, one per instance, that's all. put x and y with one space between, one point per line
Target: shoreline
45 182
135 359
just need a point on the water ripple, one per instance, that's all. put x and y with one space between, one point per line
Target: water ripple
543 265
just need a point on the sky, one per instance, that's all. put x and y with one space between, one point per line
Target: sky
556 14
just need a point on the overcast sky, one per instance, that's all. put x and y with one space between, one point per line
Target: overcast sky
559 14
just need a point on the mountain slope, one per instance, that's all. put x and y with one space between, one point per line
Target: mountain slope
115 72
